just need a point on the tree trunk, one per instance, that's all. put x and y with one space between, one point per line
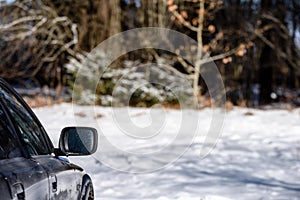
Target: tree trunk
265 81
199 54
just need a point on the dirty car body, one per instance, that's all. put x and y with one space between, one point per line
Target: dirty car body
30 166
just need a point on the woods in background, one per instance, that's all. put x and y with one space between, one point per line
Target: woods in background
255 44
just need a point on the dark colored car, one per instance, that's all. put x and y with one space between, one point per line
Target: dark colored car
30 167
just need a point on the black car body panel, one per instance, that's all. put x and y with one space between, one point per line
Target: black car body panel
23 177
29 168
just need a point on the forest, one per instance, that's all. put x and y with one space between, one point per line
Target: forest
254 44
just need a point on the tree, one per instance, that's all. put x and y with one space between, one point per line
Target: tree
200 23
35 42
96 19
256 33
275 46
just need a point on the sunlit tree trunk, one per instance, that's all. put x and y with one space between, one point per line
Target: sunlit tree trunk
199 53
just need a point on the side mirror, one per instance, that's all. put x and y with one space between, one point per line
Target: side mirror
78 141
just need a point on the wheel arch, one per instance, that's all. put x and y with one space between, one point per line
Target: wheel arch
87 188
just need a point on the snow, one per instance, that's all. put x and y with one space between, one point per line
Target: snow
256 157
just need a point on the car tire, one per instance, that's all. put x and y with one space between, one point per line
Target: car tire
87 190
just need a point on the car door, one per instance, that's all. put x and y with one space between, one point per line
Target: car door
20 177
62 175
65 178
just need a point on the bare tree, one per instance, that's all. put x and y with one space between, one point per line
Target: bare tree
197 22
35 41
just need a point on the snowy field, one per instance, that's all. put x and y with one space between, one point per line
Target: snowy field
257 156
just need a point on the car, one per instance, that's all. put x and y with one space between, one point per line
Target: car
30 167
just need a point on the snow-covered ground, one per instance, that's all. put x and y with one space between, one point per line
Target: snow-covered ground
256 157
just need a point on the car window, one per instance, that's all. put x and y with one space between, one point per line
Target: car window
9 147
31 133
